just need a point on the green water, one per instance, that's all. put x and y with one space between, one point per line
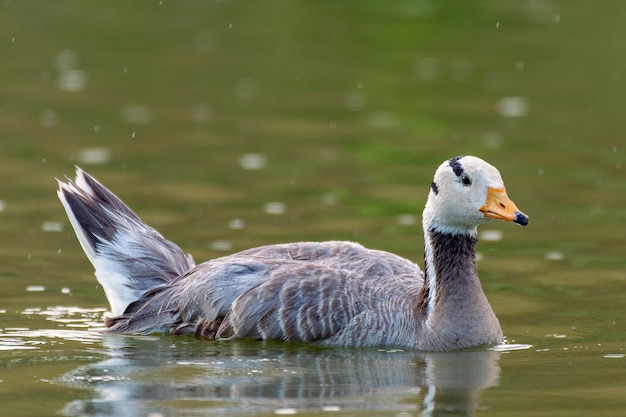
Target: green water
228 125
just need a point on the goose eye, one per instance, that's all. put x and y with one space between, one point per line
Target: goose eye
467 181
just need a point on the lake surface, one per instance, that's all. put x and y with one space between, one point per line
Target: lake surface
228 125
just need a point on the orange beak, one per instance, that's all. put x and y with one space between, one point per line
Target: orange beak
499 206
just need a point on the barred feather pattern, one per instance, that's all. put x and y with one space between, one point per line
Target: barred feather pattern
288 292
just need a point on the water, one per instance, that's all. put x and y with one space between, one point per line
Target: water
228 125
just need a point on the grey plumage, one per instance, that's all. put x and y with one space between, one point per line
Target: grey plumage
335 293
287 292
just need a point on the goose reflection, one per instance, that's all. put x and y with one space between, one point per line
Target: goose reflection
174 376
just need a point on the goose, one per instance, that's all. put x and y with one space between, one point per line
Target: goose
335 293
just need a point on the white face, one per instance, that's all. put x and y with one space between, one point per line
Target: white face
459 192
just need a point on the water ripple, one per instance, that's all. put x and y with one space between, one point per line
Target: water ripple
68 318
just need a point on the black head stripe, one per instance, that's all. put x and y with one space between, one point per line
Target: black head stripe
456 166
434 187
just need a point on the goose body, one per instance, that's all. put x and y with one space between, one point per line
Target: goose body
333 293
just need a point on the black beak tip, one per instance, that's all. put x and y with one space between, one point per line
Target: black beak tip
521 219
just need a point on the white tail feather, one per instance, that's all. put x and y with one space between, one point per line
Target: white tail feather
129 256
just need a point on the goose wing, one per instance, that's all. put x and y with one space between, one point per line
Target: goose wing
299 291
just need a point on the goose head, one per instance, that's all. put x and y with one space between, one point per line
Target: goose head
466 192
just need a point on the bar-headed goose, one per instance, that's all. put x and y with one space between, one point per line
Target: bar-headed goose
333 293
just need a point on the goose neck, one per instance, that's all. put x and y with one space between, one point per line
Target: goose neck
449 269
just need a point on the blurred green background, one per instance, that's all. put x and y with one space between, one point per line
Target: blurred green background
232 124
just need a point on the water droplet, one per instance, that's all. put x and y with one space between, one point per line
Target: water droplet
406 219
136 114
245 88
275 208
201 112
491 235
330 199
236 224
72 80
492 140
512 107
382 120
65 60
206 41
355 100
554 256
221 245
52 226
49 118
252 161
94 155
